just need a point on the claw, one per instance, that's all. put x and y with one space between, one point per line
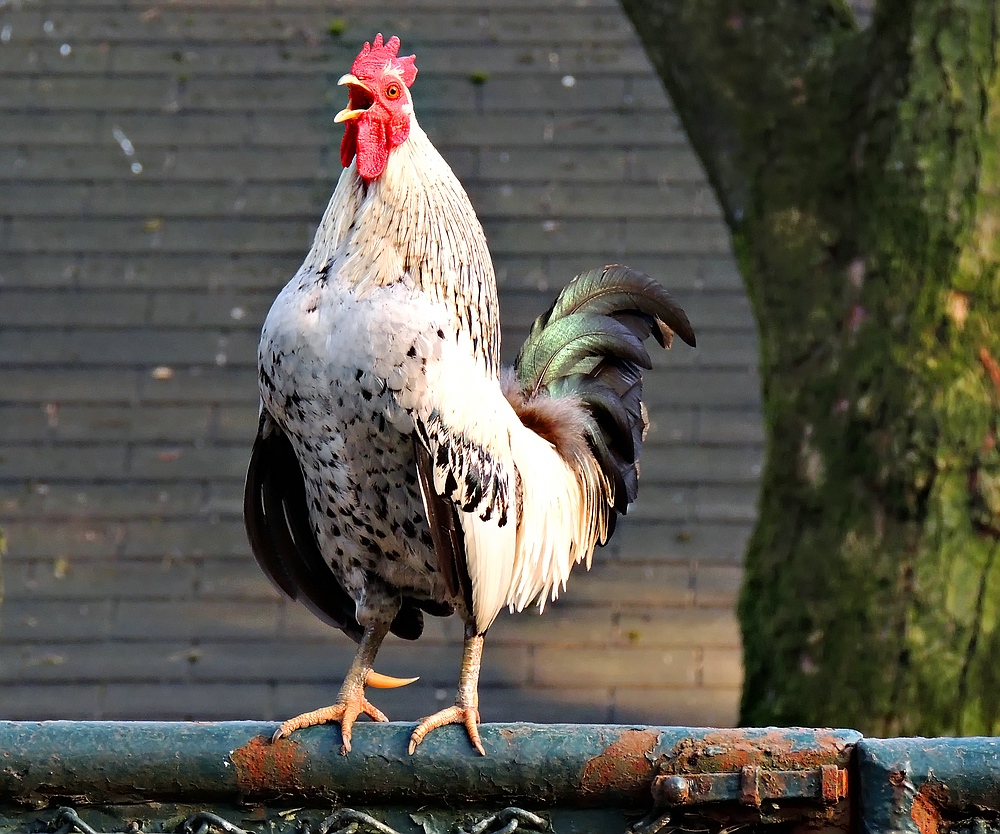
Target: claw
469 716
346 713
376 680
352 701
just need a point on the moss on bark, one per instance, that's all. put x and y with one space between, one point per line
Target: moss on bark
859 174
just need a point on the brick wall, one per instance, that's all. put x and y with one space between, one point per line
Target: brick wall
162 168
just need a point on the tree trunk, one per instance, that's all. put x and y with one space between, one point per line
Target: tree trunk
859 173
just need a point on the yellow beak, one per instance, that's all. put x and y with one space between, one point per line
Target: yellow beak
347 114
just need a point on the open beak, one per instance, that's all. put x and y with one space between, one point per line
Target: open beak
360 98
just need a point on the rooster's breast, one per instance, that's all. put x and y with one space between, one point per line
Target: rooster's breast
339 373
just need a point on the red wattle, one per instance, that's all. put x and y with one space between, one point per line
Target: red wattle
349 144
372 148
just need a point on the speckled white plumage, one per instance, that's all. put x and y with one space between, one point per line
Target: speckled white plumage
413 224
390 327
393 472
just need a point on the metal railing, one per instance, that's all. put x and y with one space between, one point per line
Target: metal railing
92 777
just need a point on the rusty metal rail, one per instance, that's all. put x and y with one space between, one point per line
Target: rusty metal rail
89 777
927 785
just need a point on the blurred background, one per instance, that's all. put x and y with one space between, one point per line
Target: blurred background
162 170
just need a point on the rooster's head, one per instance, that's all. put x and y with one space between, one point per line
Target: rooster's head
379 107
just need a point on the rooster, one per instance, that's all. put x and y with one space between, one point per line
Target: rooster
397 471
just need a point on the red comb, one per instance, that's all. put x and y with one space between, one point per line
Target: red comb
376 57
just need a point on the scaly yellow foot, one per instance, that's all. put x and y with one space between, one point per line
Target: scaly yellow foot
469 716
466 709
345 712
352 701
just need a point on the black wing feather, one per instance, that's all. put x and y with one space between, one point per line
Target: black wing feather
277 523
276 516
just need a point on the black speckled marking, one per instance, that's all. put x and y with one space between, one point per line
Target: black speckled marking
359 471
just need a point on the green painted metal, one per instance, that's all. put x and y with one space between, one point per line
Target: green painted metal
579 765
111 762
92 777
104 776
926 785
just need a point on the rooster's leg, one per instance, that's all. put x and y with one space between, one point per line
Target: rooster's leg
352 701
466 709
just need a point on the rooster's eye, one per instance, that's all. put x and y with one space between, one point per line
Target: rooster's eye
392 91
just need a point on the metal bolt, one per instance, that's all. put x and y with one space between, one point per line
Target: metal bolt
676 790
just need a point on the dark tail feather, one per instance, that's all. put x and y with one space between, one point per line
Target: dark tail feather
589 346
618 290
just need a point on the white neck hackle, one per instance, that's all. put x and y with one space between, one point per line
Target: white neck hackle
415 224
